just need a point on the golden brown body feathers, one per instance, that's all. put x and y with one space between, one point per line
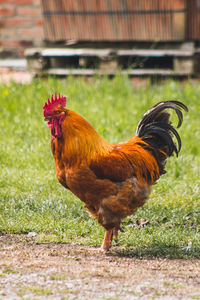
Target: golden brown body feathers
104 176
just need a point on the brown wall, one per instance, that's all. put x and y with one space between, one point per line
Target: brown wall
20 25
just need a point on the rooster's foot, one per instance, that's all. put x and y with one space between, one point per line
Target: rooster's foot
109 234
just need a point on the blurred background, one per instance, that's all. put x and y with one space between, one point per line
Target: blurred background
84 37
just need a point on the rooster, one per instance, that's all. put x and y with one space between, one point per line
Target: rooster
113 180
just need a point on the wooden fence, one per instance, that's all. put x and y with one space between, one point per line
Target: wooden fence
193 20
116 20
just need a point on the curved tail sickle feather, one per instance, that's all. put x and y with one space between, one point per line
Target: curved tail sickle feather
155 127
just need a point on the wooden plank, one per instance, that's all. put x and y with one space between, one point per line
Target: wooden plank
15 63
47 52
134 72
184 64
33 51
75 52
156 53
108 64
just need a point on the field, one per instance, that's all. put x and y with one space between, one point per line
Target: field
32 200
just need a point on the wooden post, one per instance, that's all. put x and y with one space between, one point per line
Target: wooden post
108 63
184 64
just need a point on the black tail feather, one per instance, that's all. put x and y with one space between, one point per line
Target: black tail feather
155 127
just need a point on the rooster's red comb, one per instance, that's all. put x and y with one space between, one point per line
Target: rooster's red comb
55 101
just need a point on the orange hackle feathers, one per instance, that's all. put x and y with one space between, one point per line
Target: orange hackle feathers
83 144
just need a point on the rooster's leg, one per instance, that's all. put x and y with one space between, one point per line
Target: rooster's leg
107 242
115 232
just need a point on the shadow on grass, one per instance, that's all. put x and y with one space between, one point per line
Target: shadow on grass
157 250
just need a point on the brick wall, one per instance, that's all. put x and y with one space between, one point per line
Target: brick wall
20 26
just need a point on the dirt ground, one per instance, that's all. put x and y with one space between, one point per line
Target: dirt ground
66 271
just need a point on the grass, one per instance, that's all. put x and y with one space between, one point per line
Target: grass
36 290
58 277
31 199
